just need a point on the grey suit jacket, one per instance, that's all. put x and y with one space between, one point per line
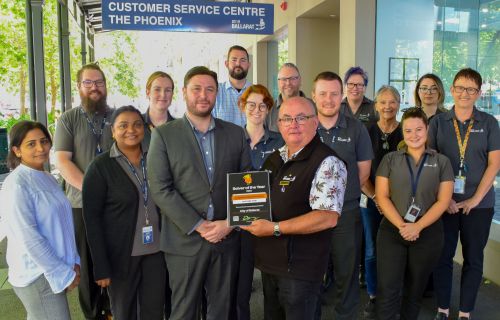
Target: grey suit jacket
179 183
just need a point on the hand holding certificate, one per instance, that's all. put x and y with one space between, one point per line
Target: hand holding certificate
248 197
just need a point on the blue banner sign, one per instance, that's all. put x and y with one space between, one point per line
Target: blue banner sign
190 16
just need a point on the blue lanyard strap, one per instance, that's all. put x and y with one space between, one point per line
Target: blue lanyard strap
97 134
143 183
414 182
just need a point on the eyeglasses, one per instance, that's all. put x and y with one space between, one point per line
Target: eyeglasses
291 79
301 120
460 89
351 85
90 83
430 90
252 105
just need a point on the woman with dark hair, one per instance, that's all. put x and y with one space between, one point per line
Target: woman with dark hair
41 250
413 188
385 135
122 223
159 90
429 95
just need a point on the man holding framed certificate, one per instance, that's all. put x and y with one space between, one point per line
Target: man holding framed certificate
307 191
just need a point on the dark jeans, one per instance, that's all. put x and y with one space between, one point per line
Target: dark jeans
88 290
404 266
140 295
289 299
473 230
370 217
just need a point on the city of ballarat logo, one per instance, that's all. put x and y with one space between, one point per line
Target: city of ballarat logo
237 25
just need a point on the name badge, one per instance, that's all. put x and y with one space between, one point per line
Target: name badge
147 235
459 186
363 201
412 213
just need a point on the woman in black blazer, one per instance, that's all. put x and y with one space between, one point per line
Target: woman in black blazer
122 223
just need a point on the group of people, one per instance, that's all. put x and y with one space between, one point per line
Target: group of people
143 232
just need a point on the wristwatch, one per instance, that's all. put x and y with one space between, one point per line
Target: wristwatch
277 231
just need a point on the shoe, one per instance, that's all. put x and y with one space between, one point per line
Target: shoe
369 311
465 318
441 316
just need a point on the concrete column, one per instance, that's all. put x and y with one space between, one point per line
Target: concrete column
357 38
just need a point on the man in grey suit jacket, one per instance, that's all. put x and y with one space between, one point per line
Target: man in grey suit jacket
188 161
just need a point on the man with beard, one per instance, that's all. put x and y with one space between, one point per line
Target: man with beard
226 106
188 160
81 134
289 82
349 138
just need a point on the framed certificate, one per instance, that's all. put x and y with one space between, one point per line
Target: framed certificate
248 197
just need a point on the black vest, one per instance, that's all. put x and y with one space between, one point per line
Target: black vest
301 257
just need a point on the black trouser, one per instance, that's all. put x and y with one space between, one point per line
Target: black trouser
245 276
404 266
289 299
346 255
88 290
141 294
212 269
473 230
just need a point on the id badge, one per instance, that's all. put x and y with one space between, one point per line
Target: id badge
412 213
147 235
363 201
459 186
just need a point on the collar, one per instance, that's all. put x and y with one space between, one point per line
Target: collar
211 126
404 150
365 101
147 119
226 85
114 152
279 101
266 137
341 123
303 153
107 110
476 114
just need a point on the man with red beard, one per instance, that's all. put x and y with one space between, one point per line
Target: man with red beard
226 106
81 134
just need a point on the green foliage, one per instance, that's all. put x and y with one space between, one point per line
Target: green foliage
10 120
121 64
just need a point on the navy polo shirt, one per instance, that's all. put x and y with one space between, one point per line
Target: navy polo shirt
366 112
350 140
484 137
270 142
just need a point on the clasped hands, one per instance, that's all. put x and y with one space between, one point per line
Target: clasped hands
409 231
466 205
214 231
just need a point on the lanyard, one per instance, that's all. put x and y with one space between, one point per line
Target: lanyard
143 183
414 182
462 145
97 134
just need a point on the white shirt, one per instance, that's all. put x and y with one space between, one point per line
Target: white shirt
39 224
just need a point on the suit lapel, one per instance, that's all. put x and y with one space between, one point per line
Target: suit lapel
195 151
220 148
